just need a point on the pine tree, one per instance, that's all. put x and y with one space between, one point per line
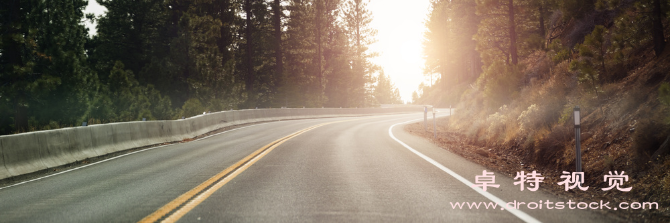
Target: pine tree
499 14
357 22
44 78
385 92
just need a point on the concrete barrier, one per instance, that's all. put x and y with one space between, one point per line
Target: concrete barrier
102 139
29 152
57 148
82 143
4 173
22 153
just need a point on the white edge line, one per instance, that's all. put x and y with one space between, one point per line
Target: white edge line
516 212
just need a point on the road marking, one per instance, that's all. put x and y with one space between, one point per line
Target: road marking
151 148
178 207
127 154
520 214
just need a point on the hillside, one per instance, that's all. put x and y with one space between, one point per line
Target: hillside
519 117
620 132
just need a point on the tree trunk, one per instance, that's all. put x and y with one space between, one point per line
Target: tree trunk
512 33
250 77
318 50
657 29
279 63
14 55
542 29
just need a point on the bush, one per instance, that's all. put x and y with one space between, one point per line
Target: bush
192 107
566 114
501 84
496 123
529 118
557 52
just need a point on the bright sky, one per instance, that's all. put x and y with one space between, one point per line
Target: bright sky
97 9
400 26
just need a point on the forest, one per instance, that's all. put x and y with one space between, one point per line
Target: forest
167 59
516 69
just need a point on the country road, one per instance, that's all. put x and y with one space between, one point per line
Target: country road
361 169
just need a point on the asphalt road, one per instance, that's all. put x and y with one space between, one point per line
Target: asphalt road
352 170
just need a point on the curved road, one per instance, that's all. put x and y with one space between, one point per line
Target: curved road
349 169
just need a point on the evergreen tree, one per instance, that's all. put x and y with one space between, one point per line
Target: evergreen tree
357 25
44 79
385 92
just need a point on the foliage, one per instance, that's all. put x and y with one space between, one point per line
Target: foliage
500 84
448 45
497 121
192 107
529 118
385 92
593 53
43 72
167 59
557 52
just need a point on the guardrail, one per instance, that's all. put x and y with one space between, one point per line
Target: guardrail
34 151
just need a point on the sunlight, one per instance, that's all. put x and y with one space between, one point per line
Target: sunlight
401 28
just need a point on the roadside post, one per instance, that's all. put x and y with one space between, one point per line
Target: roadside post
434 124
578 149
425 117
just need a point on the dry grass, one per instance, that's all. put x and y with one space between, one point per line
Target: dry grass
622 125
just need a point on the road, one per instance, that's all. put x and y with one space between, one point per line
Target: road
346 169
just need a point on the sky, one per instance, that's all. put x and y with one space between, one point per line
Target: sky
400 26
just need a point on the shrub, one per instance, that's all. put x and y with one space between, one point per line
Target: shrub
566 114
497 122
501 84
529 118
192 107
473 130
592 60
557 52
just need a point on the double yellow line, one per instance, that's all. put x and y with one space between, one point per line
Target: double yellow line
178 207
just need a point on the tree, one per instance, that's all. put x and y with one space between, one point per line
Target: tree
448 46
415 97
249 77
279 58
592 52
385 92
357 20
300 55
499 14
319 68
657 28
43 76
337 52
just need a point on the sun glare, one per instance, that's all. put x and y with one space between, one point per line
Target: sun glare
401 28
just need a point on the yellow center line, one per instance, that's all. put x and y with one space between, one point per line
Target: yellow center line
205 189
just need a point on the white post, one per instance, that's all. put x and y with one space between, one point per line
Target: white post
578 149
434 124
